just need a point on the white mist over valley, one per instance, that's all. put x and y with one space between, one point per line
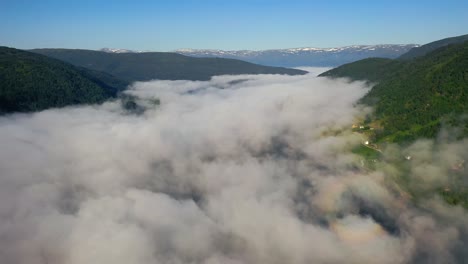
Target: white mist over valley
238 169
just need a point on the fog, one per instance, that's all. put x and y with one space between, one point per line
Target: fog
238 169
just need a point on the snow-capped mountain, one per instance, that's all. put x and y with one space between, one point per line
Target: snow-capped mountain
307 56
109 50
296 57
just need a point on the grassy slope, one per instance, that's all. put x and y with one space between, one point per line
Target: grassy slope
32 82
160 65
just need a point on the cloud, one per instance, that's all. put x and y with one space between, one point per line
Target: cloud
238 169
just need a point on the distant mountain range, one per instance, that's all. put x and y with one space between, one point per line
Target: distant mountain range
145 66
110 50
296 57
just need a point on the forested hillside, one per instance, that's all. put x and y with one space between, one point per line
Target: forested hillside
32 82
414 98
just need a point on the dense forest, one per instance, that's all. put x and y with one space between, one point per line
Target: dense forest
414 98
32 82
160 65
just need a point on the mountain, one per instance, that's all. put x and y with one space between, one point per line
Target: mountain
424 49
146 66
32 82
320 57
414 98
109 50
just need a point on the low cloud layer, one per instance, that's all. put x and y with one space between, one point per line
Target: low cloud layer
239 169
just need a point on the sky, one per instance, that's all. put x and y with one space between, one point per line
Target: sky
228 25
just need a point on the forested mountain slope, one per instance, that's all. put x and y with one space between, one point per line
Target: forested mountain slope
32 82
414 98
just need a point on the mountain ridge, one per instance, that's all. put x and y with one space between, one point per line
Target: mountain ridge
369 47
295 57
429 47
145 66
306 56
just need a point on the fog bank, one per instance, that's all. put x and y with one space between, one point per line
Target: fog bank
238 169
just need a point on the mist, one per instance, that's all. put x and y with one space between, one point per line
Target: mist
238 169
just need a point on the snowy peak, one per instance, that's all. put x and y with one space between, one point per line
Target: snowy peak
354 48
110 50
305 56
296 57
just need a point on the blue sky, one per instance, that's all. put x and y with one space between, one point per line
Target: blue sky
226 24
